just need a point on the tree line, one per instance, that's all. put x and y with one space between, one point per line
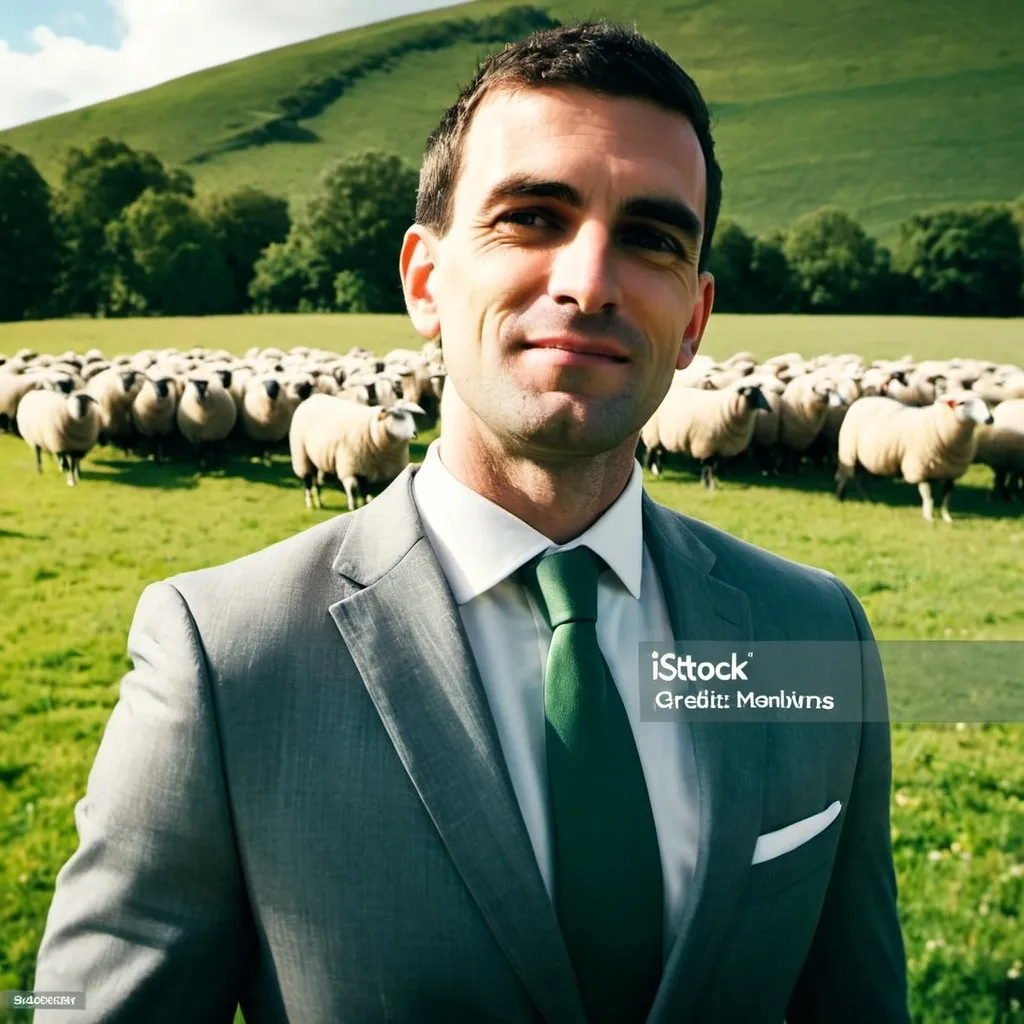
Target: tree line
124 235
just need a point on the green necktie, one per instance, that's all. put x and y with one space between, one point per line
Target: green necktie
608 886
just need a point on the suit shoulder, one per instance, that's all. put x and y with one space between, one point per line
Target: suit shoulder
777 587
294 562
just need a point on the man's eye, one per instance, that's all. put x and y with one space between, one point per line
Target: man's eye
527 218
657 241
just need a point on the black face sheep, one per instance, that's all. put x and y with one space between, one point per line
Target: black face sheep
267 411
356 443
154 410
923 443
206 413
706 425
66 426
114 390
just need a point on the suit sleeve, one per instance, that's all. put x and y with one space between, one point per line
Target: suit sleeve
149 916
855 970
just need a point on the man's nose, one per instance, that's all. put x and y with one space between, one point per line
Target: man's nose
584 272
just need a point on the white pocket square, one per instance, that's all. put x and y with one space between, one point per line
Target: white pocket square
774 844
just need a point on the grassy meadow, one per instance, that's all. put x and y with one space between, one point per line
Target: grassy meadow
74 563
870 104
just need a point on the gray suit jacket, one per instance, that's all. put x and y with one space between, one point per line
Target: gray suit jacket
300 803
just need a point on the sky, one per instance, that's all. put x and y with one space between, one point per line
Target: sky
58 55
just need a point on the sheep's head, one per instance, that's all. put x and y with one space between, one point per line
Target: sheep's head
201 386
272 386
398 419
162 386
128 380
967 407
225 376
753 396
79 403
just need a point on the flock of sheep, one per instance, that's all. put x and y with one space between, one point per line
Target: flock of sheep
925 422
352 416
358 411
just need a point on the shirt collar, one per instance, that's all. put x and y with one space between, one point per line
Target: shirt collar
479 543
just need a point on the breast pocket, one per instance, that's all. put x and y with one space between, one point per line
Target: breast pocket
807 860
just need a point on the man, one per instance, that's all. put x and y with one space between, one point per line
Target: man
393 769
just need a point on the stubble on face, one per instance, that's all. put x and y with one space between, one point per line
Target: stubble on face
526 267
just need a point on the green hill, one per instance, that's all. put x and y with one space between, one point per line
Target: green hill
883 107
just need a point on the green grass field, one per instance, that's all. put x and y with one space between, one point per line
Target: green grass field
74 563
880 106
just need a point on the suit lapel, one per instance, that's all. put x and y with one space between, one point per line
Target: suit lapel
730 760
406 637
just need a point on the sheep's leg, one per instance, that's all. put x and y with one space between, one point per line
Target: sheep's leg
707 474
654 459
351 486
999 488
947 493
858 480
924 488
843 476
67 465
76 462
39 459
307 483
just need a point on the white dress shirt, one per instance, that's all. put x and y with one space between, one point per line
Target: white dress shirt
479 545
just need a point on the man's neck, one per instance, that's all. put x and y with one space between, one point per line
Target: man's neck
560 499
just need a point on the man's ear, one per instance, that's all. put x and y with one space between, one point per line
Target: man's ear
698 321
416 266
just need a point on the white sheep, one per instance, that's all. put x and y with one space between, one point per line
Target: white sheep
703 424
155 408
356 443
66 426
1001 447
206 412
923 443
114 390
805 404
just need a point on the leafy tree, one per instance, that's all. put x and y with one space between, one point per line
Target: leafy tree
751 274
356 221
774 285
965 261
838 267
244 223
28 242
97 184
732 253
290 276
166 260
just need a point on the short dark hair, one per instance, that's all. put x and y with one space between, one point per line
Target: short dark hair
599 56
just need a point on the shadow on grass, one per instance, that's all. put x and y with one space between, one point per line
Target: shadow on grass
967 502
18 535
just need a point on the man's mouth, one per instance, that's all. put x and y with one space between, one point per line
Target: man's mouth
578 351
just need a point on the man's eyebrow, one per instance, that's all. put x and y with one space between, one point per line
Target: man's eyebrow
665 210
671 212
528 186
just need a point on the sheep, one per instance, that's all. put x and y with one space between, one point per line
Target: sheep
924 444
1001 447
114 390
206 412
66 426
767 421
804 406
267 411
706 425
154 409
13 388
355 443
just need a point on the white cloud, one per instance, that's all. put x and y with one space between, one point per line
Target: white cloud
162 39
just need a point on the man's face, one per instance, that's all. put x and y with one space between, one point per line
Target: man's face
566 291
